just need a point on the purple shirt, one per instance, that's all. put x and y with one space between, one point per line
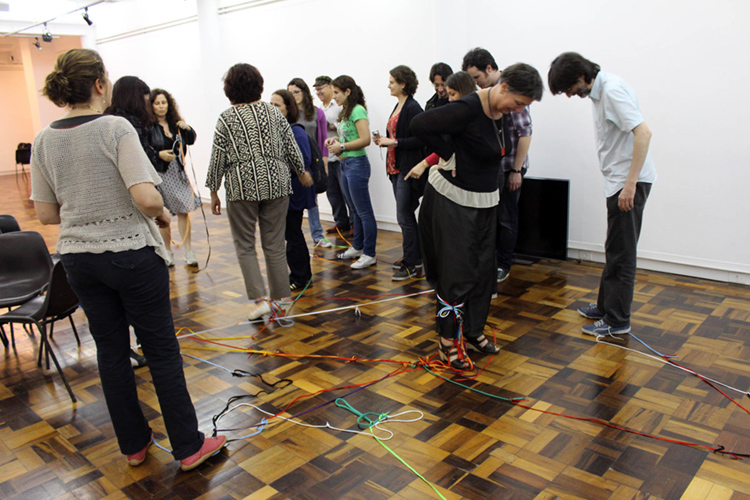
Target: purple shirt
521 128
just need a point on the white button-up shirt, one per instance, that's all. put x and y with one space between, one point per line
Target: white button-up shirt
616 114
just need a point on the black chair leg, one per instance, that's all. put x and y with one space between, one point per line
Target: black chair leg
3 337
49 351
51 329
75 332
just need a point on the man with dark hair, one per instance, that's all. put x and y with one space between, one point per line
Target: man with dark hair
480 64
324 91
623 139
439 73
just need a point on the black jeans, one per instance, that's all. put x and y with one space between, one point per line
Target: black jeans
336 198
458 247
117 290
297 254
507 223
407 202
618 277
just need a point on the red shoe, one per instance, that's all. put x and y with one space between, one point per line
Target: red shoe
210 447
138 458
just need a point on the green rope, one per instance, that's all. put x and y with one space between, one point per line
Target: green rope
511 400
368 423
363 419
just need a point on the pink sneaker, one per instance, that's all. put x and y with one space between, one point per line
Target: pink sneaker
211 447
138 458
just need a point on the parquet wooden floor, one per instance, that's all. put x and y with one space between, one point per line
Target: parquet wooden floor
468 444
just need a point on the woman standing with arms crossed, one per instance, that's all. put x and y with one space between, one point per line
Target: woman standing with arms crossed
457 221
254 150
354 136
90 174
313 119
404 150
297 254
170 134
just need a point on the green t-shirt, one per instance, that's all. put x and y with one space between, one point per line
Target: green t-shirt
347 131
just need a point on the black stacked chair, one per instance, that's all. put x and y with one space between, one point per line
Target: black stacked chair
8 224
23 157
25 268
58 303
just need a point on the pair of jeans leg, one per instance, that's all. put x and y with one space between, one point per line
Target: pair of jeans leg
355 180
116 290
297 254
459 259
339 205
313 220
618 277
407 202
507 223
271 217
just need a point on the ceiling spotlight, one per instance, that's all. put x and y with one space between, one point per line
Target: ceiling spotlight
86 17
46 36
37 44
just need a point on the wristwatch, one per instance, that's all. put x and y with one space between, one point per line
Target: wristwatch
515 171
343 146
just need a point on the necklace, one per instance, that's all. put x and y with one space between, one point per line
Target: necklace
86 107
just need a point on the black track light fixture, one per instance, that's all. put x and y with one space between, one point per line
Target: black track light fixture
46 36
86 17
37 44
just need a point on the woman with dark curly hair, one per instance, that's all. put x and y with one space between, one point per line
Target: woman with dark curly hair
254 150
354 135
404 151
170 136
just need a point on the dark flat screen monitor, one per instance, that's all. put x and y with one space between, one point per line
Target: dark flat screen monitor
543 219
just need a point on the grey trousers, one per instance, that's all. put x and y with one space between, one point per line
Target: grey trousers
618 277
271 217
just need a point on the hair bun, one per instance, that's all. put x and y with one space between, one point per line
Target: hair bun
57 87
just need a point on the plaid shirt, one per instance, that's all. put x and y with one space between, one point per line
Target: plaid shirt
521 128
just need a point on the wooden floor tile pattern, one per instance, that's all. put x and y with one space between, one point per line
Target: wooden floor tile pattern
470 446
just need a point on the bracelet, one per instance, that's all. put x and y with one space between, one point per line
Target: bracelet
515 171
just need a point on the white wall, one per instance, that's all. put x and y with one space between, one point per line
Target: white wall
14 104
683 60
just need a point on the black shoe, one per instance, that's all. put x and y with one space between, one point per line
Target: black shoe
137 360
449 354
404 273
482 344
502 274
399 264
295 287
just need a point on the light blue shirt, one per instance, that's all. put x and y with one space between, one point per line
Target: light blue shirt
616 114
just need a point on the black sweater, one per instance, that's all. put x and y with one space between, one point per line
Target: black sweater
410 150
463 128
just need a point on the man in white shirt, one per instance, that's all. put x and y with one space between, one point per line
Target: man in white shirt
622 139
324 91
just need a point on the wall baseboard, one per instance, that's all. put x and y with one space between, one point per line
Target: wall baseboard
651 264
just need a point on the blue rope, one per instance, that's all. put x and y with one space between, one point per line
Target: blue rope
457 311
667 356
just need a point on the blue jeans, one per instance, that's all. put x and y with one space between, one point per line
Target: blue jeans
336 197
507 222
313 220
355 179
117 290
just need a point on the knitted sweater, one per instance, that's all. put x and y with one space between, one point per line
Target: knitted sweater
87 170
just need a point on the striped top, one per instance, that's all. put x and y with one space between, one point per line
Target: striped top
253 150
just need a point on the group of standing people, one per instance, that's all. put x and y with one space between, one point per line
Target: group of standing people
94 172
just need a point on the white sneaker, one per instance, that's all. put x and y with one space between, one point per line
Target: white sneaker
170 259
350 253
364 261
261 309
190 259
323 243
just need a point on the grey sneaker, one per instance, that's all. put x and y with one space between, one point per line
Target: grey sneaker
502 274
404 273
190 259
600 328
590 311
